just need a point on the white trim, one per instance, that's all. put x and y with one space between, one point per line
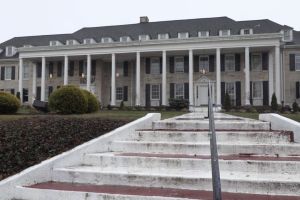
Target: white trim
179 57
226 67
147 37
297 55
204 56
163 36
252 62
175 87
183 35
7 67
246 29
261 89
125 39
222 32
159 97
89 41
206 34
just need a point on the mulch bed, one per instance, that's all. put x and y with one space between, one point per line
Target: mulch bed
26 142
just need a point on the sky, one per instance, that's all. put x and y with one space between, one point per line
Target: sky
44 17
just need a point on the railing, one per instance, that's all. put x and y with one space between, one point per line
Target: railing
216 182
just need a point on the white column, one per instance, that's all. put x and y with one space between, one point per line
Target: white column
88 71
164 78
218 76
191 78
113 80
247 76
33 82
21 78
271 76
43 79
66 70
138 80
277 74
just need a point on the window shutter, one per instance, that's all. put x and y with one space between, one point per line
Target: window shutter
148 102
160 94
222 62
38 93
211 63
71 68
94 64
265 93
265 61
50 90
125 96
148 65
196 63
171 64
186 64
297 90
172 87
292 62
50 68
250 96
160 65
12 91
238 93
186 91
250 61
237 62
13 73
39 70
125 68
222 92
81 63
2 73
59 69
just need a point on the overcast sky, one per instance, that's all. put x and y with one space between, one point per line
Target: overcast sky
40 17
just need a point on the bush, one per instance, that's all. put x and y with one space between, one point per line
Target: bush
295 107
93 103
274 105
178 104
68 100
9 103
227 102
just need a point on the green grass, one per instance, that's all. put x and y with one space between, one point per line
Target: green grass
292 116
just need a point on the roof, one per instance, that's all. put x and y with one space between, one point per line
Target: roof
193 26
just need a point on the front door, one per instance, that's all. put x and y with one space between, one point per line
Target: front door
201 94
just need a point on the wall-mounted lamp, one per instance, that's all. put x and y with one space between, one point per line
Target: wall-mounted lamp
82 75
117 74
50 76
203 71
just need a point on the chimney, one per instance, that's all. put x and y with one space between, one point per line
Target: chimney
144 19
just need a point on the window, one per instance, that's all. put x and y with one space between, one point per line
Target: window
144 37
230 89
287 35
89 41
119 93
204 63
257 90
8 73
203 33
155 91
297 62
179 91
125 39
10 51
26 72
163 36
230 62
246 31
179 64
155 66
224 32
183 35
256 62
106 40
72 42
55 43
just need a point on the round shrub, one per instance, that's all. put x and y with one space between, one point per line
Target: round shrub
68 100
9 103
93 103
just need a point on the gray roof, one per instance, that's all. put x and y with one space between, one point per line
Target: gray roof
193 26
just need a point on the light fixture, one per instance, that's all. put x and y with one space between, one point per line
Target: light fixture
117 74
82 75
50 76
203 71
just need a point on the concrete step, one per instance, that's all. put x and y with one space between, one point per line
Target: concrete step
204 125
232 163
264 137
273 184
64 191
203 148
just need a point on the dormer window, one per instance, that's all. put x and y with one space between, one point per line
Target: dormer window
125 39
183 35
163 36
203 34
106 40
10 51
287 35
55 43
248 31
1 50
27 46
72 42
224 32
144 37
89 41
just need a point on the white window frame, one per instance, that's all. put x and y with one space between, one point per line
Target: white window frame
10 51
183 35
287 35
232 94
26 72
55 43
203 34
229 68
255 67
297 62
178 89
222 32
163 36
106 40
202 64
6 71
144 37
259 84
243 31
179 65
155 88
155 65
89 41
119 93
125 39
72 42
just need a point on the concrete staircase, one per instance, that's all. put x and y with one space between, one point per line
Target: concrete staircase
171 161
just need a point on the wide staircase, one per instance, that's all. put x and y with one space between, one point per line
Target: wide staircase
171 161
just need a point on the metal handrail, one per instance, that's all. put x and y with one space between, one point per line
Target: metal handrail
216 182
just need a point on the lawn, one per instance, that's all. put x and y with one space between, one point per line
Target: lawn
292 116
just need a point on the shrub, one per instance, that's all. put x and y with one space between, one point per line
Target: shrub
9 103
68 100
274 105
295 107
178 104
227 102
93 103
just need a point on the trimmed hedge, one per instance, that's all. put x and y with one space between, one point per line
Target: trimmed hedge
178 104
68 100
9 103
93 103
